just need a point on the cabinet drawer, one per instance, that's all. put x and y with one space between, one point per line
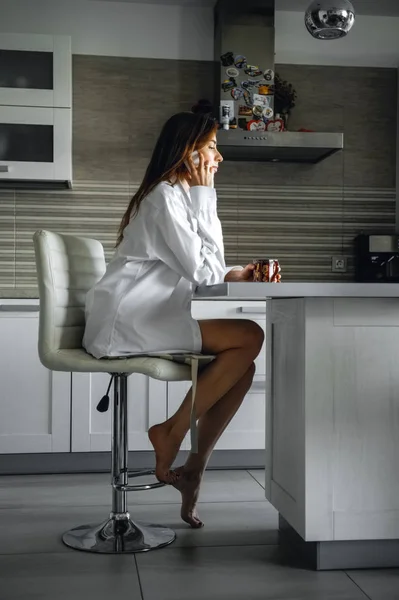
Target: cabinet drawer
222 309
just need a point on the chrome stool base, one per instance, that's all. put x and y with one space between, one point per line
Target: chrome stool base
118 535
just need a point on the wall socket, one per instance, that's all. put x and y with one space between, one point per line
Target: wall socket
338 264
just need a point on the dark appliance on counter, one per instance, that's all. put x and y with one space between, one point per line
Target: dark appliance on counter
377 258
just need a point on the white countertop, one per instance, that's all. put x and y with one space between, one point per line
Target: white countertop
258 291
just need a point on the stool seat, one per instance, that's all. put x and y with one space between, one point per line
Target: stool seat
80 361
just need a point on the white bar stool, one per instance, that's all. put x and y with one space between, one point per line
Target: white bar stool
67 267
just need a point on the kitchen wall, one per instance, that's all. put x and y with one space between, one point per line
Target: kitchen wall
302 214
373 42
115 28
151 30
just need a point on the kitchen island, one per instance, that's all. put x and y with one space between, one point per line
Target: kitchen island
332 417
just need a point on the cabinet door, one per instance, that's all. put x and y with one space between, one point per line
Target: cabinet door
91 430
176 391
34 402
35 143
36 70
246 430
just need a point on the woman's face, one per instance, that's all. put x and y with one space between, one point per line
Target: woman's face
211 154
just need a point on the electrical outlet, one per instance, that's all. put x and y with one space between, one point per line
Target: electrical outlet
338 264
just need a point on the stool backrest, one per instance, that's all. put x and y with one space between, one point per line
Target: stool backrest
67 267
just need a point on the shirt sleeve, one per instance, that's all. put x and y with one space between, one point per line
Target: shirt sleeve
197 194
196 256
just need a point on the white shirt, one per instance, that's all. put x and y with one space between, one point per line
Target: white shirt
142 305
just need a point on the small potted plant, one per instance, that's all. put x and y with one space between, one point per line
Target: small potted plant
284 98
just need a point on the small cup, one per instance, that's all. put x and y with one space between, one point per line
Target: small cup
266 270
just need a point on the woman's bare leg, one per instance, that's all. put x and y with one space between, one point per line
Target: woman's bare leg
236 343
210 428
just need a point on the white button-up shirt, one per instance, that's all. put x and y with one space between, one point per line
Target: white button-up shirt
142 305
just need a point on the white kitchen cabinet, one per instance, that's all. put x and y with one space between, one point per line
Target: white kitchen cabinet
333 452
36 144
35 109
247 429
91 430
45 411
36 70
34 402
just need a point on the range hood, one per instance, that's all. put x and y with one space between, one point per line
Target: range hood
287 146
245 28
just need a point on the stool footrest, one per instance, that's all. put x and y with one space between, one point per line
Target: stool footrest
137 487
141 473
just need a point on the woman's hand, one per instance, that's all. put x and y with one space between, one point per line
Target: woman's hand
201 174
245 274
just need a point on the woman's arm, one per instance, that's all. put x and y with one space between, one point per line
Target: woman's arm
198 257
204 207
209 225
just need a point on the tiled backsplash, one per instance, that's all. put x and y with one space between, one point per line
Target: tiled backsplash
302 214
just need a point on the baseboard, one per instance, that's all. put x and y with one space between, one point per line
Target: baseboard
100 462
337 555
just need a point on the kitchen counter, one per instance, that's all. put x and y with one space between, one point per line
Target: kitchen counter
263 290
256 291
332 417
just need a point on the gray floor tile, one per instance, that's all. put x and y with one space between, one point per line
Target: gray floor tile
226 524
27 491
230 486
76 575
378 584
234 573
39 530
259 475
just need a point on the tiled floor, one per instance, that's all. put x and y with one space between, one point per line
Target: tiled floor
233 558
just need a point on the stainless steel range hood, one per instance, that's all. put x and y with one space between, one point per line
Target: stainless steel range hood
288 146
246 28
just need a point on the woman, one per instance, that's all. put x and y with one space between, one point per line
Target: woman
170 241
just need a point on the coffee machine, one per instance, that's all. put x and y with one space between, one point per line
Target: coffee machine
377 258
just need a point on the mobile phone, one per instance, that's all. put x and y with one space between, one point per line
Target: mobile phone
194 158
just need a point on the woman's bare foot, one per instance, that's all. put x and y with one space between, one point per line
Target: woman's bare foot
188 484
166 447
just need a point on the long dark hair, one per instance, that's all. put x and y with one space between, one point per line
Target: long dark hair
180 136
